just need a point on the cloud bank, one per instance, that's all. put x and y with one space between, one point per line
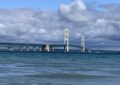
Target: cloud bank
39 26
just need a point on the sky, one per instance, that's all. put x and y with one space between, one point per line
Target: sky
42 4
46 4
43 21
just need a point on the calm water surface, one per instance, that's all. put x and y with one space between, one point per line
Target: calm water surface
59 69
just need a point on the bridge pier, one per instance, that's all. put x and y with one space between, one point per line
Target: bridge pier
10 49
36 48
46 48
40 49
28 49
24 48
53 49
21 49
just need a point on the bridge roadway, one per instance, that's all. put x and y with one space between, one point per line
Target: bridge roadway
34 47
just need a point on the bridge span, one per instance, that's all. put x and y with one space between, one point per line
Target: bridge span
65 47
37 47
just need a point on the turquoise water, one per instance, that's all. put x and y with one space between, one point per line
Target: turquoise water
59 69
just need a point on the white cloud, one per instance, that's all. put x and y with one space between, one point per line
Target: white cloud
2 25
76 11
42 31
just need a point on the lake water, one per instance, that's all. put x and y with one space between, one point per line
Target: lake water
59 69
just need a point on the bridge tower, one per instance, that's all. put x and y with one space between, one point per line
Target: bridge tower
66 40
82 44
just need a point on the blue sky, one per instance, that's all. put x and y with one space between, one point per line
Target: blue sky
42 4
45 4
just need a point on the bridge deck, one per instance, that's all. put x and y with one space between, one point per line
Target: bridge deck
39 45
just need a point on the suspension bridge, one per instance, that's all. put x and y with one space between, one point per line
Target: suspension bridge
65 47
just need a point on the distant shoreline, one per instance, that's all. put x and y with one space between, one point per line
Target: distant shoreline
59 52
